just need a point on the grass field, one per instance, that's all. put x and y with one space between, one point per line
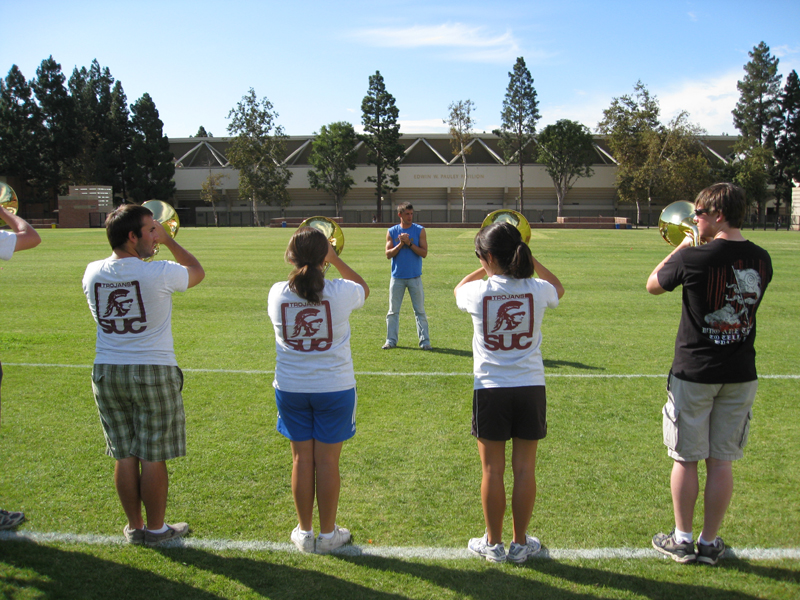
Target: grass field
411 476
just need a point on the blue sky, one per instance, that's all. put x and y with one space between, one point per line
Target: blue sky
313 59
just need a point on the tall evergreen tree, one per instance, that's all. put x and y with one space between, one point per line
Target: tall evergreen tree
60 142
787 149
333 158
757 116
21 131
518 117
758 112
382 138
149 170
258 150
116 143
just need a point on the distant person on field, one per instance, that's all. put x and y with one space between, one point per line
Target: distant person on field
135 379
315 385
406 246
712 382
20 237
509 399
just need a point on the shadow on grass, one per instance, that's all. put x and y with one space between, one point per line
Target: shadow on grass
437 350
62 573
506 581
769 572
557 364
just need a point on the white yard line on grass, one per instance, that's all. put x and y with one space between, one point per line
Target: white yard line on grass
402 552
404 374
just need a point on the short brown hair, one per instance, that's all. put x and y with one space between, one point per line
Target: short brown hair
727 198
404 207
122 221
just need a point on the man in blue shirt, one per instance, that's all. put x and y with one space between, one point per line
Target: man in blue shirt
406 246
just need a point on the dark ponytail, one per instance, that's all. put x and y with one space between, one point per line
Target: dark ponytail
504 242
306 251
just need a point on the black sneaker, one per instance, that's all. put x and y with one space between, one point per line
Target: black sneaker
680 552
710 555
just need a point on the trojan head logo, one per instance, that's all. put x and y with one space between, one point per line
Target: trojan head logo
508 322
307 322
509 316
118 303
120 308
307 327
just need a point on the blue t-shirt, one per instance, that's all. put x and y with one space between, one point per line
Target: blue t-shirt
407 264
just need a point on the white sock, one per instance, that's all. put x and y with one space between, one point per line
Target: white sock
683 537
327 536
700 540
309 532
164 527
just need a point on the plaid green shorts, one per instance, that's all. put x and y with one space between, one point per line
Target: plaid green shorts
141 410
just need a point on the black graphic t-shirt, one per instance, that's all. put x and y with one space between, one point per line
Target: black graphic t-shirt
723 284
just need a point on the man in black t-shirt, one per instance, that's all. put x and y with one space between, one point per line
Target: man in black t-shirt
713 382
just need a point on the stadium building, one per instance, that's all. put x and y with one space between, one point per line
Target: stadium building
430 178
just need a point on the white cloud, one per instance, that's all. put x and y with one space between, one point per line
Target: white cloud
465 42
422 126
692 16
709 102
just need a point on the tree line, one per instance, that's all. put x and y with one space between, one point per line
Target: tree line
56 132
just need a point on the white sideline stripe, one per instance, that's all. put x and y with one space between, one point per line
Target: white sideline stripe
403 552
405 374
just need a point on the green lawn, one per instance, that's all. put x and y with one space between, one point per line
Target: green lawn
411 475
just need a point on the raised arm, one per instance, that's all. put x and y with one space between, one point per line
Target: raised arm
545 274
182 257
345 271
652 282
27 237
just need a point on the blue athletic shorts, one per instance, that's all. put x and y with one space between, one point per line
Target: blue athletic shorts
328 417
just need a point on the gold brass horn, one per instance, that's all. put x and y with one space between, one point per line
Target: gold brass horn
8 199
166 215
332 231
676 221
518 220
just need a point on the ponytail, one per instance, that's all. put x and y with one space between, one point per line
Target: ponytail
504 242
306 251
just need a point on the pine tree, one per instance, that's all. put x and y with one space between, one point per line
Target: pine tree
787 149
21 131
382 138
519 116
149 169
757 113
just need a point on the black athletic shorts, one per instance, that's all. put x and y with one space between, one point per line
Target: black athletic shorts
499 414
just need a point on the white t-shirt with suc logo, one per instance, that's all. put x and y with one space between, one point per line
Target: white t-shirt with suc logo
312 341
131 302
507 318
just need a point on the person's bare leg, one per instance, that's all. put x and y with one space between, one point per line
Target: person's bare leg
685 488
717 496
303 482
127 482
326 463
154 488
523 497
493 492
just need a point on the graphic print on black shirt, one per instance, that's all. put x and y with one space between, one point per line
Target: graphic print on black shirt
508 321
306 326
734 293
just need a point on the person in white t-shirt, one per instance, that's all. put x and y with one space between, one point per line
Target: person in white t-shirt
135 378
20 237
509 400
315 386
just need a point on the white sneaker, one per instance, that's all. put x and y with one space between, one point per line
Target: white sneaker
303 541
480 547
519 553
341 536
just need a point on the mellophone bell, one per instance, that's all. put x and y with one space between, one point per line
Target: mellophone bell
166 215
8 200
518 220
676 221
330 229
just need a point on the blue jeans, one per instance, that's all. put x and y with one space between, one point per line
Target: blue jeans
397 289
